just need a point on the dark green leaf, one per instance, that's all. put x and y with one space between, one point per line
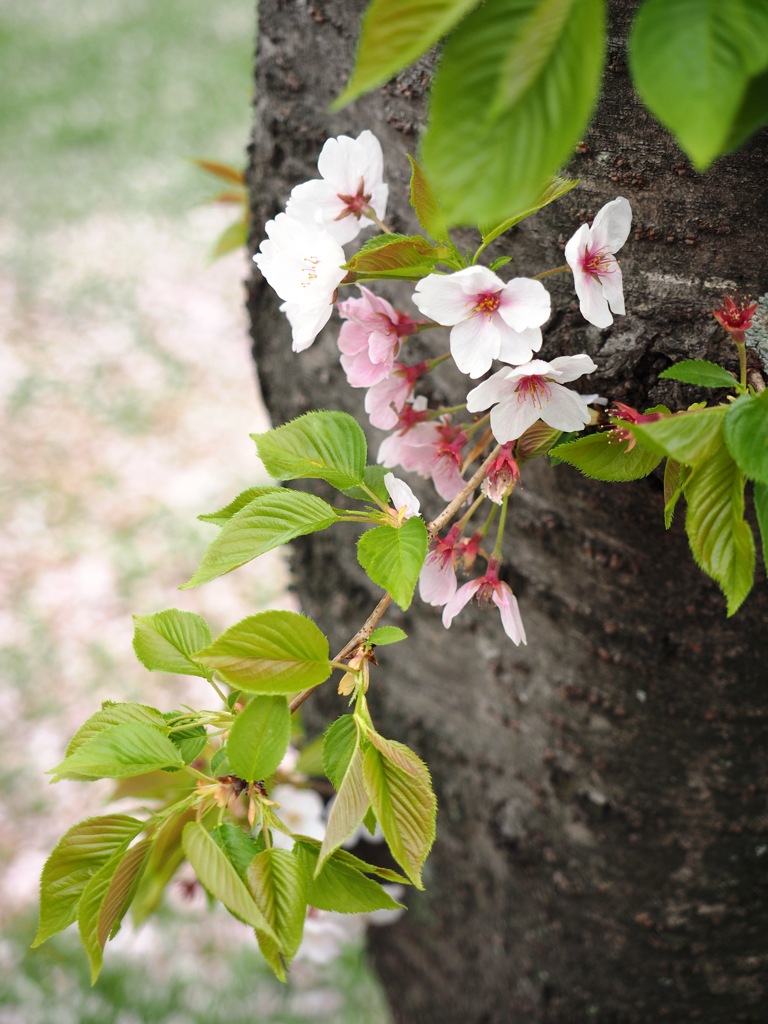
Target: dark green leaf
746 435
259 737
601 457
673 488
239 847
393 556
321 445
752 113
761 508
166 641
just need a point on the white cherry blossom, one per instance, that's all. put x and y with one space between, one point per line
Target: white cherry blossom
403 498
525 394
303 263
596 271
351 183
489 319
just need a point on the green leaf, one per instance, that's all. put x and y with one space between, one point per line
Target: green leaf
374 481
114 713
752 113
232 237
223 515
279 885
190 740
220 878
79 854
106 898
351 860
339 742
340 887
691 63
393 556
349 808
720 538
163 863
239 847
746 435
601 457
673 488
511 98
761 509
394 34
322 445
166 641
265 523
555 189
427 205
118 751
402 257
700 372
387 635
271 652
310 760
400 790
259 737
687 437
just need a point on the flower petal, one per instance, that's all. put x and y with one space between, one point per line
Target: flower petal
511 620
524 303
474 345
565 409
611 226
462 597
490 391
511 418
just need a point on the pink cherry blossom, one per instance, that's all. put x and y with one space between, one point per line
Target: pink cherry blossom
501 477
303 264
486 589
431 449
384 401
371 337
351 185
596 272
437 580
525 394
489 319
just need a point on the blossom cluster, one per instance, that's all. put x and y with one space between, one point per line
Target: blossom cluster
491 321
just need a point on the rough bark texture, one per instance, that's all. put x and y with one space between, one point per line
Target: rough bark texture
602 848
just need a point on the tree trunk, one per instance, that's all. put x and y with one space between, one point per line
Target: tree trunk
602 850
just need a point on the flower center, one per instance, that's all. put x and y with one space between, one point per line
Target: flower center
534 389
355 205
309 270
598 262
486 304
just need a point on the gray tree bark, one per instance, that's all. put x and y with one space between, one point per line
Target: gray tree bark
602 850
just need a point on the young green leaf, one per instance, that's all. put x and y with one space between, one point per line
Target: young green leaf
692 62
673 488
761 510
339 886
394 34
278 884
234 236
402 257
339 743
166 641
601 457
387 635
321 445
213 868
118 751
374 481
114 713
687 437
400 790
239 847
164 859
223 515
427 205
79 854
516 85
393 556
190 740
556 188
746 435
106 898
266 522
700 372
720 538
271 652
752 113
259 737
348 810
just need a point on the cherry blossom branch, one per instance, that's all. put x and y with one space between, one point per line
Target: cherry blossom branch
549 273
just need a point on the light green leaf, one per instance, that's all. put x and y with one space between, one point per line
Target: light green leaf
374 481
321 445
720 538
692 60
387 635
164 860
190 740
700 372
166 641
687 437
348 810
601 457
80 853
394 34
400 790
106 898
232 237
761 509
339 886
401 257
427 205
511 98
271 652
555 189
339 743
279 885
223 515
746 435
114 713
119 751
239 847
266 522
220 878
393 556
259 737
350 860
310 760
673 488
